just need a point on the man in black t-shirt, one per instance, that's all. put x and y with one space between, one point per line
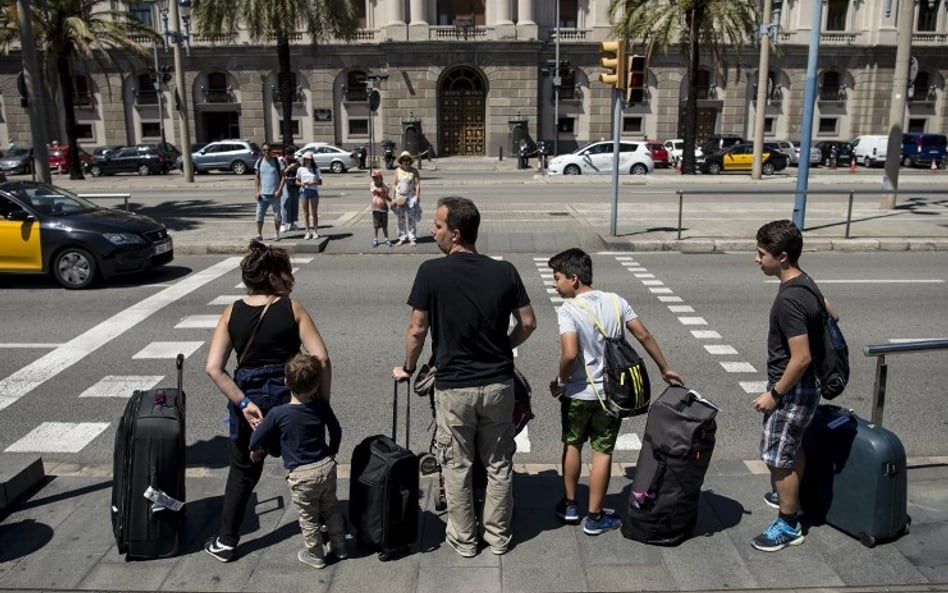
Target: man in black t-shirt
794 341
466 299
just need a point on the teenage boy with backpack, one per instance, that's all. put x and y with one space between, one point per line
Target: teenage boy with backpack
581 359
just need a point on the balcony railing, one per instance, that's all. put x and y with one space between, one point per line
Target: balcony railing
929 38
214 39
83 99
146 97
570 93
365 35
218 95
569 34
457 32
295 36
831 94
356 94
838 37
298 97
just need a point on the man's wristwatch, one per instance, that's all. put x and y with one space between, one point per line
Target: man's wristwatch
775 394
408 370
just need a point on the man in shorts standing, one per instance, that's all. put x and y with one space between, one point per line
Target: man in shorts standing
268 189
794 341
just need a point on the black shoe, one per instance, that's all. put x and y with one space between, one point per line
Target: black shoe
215 548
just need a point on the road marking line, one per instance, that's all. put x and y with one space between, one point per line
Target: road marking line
655 290
652 283
643 275
637 269
227 299
738 367
720 349
681 308
876 281
618 257
523 440
168 349
670 299
30 345
199 321
18 384
121 385
692 321
903 340
628 442
551 291
541 259
58 437
557 300
706 334
753 387
301 260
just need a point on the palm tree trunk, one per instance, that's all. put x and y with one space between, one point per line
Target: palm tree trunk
688 165
72 130
285 85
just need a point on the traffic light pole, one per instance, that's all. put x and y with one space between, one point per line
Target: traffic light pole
616 127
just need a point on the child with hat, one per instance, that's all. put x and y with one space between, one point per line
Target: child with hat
380 201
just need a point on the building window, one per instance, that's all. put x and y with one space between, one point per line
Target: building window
703 86
141 12
836 13
84 132
147 95
461 13
631 125
567 88
927 17
769 126
828 126
81 96
569 14
357 89
358 126
921 91
217 90
360 12
830 87
566 125
151 129
917 125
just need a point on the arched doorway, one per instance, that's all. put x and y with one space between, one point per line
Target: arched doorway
461 112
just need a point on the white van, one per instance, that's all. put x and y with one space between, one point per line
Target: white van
870 150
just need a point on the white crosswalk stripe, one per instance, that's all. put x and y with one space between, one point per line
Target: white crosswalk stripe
121 385
58 437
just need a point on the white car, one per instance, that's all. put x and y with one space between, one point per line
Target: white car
327 156
675 148
596 159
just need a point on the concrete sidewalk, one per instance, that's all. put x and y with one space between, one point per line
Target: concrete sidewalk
59 539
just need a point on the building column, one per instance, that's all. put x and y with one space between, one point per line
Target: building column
396 29
418 25
526 25
503 24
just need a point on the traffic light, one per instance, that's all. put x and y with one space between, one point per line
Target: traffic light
635 90
613 60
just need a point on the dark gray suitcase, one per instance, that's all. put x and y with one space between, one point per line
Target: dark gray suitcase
855 477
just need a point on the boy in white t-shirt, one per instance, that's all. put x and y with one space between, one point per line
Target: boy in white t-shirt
583 416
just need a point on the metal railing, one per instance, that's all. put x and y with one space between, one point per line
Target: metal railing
123 197
882 368
792 192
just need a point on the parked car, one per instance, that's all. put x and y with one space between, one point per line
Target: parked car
740 157
816 155
50 230
842 150
596 158
659 154
676 147
719 143
144 159
238 156
105 150
870 150
922 149
57 158
791 149
327 156
17 160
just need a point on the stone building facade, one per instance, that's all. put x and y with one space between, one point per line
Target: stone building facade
472 76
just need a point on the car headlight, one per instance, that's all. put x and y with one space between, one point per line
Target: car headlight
123 239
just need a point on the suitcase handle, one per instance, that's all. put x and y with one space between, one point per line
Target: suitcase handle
407 412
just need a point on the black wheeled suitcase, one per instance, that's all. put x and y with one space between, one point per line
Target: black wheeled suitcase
148 472
855 478
676 451
383 491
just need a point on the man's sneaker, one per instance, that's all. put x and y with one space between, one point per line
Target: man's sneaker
310 559
772 500
257 238
778 536
340 551
295 227
462 552
215 548
284 228
568 512
375 243
606 522
388 243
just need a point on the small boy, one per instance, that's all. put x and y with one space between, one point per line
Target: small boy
301 427
581 359
380 201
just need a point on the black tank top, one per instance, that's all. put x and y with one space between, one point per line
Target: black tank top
277 339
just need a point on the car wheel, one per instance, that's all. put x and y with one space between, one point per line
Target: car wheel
74 268
714 168
639 169
826 162
867 162
144 170
337 167
96 171
907 162
767 169
571 170
239 167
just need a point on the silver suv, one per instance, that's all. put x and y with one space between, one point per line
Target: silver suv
238 156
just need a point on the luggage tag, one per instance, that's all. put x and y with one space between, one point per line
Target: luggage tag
700 398
162 501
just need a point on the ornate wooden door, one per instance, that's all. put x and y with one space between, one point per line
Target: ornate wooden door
462 114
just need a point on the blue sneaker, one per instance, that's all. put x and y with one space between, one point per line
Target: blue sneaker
606 522
772 500
568 512
778 536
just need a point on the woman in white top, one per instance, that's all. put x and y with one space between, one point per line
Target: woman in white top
405 203
308 178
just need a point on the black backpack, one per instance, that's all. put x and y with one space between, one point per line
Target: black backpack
625 383
833 368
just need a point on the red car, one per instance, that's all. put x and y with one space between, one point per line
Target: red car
57 158
659 154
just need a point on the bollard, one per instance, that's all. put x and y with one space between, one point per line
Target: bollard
852 164
934 166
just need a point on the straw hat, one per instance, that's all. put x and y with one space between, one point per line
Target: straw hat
406 155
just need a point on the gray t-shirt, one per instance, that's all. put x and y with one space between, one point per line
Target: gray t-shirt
270 172
575 318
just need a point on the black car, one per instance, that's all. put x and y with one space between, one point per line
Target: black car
50 230
740 157
144 159
844 152
719 143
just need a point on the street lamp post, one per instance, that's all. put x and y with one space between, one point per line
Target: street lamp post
157 82
767 31
178 38
556 84
374 100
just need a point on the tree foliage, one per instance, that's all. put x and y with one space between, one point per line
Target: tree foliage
716 28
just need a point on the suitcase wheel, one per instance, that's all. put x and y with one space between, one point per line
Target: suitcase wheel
441 505
867 540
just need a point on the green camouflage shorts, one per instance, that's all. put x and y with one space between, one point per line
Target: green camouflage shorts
586 420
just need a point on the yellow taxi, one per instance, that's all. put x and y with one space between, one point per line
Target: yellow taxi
46 229
740 157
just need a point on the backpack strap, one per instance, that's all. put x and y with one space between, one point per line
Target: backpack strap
582 304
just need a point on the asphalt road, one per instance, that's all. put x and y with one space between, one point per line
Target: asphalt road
64 355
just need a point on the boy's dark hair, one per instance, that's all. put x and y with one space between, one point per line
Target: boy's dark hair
573 262
463 217
261 261
781 236
302 376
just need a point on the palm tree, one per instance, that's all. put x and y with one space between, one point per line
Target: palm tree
718 26
74 30
279 20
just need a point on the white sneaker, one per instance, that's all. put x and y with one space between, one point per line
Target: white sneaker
294 227
315 236
284 228
306 236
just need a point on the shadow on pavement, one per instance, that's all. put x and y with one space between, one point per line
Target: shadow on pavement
192 214
29 536
211 453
